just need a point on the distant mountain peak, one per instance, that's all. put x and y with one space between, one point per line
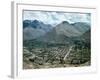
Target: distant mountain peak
36 21
65 22
26 23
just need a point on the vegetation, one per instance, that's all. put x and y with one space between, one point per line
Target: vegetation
51 55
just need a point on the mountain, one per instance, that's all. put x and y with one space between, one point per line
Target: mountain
36 24
26 23
87 36
31 33
41 25
54 37
81 27
34 28
67 29
62 33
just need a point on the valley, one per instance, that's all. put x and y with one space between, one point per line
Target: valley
55 55
63 45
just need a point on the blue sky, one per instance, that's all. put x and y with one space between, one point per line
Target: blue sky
55 18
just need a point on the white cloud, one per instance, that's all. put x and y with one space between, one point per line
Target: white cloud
56 17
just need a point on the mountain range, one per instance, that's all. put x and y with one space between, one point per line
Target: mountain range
61 33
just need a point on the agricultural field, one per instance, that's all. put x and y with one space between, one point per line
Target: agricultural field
53 56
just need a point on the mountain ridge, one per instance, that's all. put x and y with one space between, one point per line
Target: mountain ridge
64 30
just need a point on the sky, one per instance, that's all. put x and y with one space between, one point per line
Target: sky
55 18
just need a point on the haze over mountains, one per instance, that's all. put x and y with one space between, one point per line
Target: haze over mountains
62 32
56 17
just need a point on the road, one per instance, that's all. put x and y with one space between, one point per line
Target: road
68 53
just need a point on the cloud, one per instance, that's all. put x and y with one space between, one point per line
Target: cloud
56 17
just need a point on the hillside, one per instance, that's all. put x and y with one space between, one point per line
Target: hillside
33 29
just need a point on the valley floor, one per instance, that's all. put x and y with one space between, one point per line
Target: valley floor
56 57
